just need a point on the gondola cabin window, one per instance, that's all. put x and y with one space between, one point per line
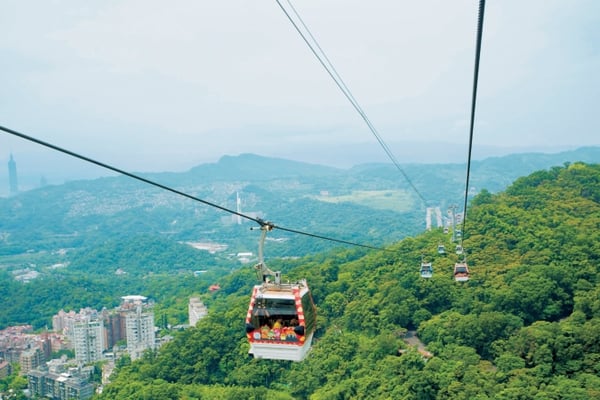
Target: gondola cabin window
277 319
281 321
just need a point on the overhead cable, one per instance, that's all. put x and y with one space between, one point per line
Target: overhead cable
473 103
178 192
313 44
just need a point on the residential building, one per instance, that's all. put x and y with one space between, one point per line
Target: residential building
59 320
45 344
196 310
5 369
68 320
139 325
63 386
30 359
88 338
114 327
12 355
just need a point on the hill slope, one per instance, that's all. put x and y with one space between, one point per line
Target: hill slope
369 203
527 324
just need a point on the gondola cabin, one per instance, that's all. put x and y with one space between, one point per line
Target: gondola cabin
426 270
459 249
441 249
461 272
281 321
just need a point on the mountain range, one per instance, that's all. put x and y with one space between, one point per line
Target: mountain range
370 204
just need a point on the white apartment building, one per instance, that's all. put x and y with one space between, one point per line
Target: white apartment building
139 325
88 338
196 310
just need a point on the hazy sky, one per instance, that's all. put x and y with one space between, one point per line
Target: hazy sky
153 85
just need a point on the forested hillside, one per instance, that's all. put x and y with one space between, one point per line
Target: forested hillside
368 203
98 278
526 326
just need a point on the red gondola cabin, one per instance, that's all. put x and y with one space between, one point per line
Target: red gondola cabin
281 321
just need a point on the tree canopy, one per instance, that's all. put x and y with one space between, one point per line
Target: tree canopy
525 326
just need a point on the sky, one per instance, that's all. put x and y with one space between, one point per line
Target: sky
149 85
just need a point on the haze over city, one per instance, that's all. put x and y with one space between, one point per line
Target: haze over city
149 86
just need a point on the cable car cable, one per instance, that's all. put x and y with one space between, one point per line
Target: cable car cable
120 171
345 90
178 192
473 104
338 77
333 240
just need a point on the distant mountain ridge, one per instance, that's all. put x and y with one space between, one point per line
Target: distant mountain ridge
252 166
370 203
247 167
257 167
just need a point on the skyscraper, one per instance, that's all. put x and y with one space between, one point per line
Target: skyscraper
12 176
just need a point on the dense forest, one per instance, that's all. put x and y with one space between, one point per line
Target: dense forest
525 326
157 267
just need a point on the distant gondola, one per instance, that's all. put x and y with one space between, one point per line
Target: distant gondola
461 272
426 270
441 249
281 318
459 249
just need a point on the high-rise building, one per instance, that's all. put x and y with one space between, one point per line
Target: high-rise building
196 310
12 176
139 325
59 321
67 321
88 338
46 345
114 327
30 359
